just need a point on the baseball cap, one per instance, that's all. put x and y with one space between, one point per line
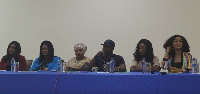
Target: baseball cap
109 43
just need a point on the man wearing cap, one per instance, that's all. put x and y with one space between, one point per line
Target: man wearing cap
104 56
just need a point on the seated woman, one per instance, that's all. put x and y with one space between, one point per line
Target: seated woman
177 54
13 51
46 61
80 62
144 50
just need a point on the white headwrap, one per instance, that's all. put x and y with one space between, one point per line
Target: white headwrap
81 45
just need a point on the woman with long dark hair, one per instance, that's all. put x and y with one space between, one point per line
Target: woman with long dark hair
177 54
46 61
13 51
144 49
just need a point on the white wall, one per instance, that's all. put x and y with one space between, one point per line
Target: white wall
67 22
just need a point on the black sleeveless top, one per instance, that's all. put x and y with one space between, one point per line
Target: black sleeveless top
177 65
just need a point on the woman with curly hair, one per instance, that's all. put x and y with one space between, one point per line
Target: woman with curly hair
13 51
177 54
144 49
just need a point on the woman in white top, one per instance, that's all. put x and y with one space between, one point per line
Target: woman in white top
144 49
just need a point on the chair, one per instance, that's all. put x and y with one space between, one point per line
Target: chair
28 64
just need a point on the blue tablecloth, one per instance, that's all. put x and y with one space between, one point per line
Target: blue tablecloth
98 83
127 83
27 82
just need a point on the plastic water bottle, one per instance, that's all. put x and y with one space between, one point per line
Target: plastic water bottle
194 65
17 66
144 65
107 67
64 66
59 66
112 65
13 65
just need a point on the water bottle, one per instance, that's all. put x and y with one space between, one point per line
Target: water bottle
148 67
197 68
17 66
13 65
112 66
107 67
194 65
59 66
144 65
64 66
